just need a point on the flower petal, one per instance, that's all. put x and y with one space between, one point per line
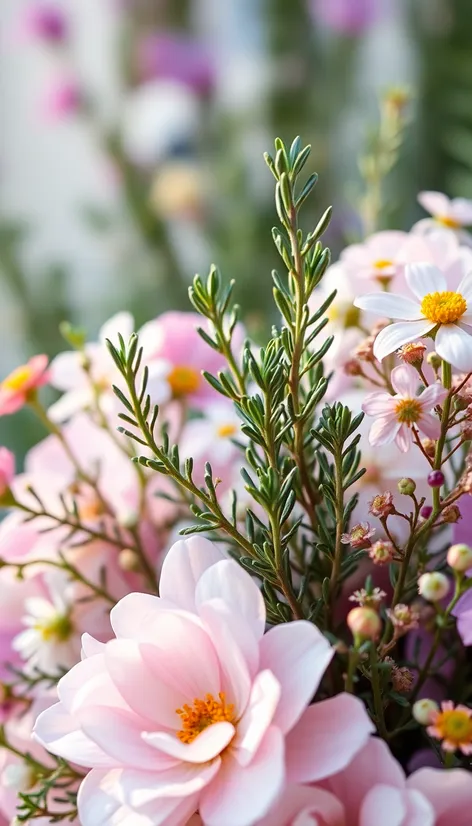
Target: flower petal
60 733
326 738
394 336
429 425
257 717
404 380
424 278
228 581
433 395
384 430
183 566
398 807
436 203
389 305
449 792
122 323
404 438
465 287
206 746
241 796
298 655
378 404
454 345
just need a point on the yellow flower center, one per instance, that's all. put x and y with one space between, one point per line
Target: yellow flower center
17 380
227 430
455 726
347 316
383 263
183 380
203 713
408 411
448 222
57 628
443 308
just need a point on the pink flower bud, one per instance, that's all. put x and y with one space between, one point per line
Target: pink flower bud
459 557
433 586
364 624
7 469
424 710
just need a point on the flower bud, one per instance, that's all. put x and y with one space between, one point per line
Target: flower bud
426 511
451 514
406 486
18 776
128 560
412 353
459 557
434 360
364 624
429 447
424 710
433 586
436 479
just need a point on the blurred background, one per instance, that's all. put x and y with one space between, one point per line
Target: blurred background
132 134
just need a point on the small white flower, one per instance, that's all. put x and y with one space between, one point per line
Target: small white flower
434 308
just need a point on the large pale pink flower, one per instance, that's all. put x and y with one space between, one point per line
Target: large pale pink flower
434 308
193 707
15 388
395 416
453 213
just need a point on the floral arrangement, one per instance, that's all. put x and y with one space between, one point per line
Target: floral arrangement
299 654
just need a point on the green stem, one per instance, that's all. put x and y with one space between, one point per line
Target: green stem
339 510
351 670
377 694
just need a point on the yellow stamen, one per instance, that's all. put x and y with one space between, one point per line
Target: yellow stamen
227 430
454 726
57 628
383 263
346 315
408 411
183 380
447 222
203 713
444 307
17 380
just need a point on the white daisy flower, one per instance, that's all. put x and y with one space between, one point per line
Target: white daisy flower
445 314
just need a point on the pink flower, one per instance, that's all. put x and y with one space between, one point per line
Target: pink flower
7 469
174 56
193 707
15 389
463 613
380 258
453 726
63 98
453 213
42 21
359 536
350 17
396 415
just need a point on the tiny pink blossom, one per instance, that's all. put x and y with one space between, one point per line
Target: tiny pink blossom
453 726
7 469
382 505
43 21
63 98
15 388
382 552
396 416
358 536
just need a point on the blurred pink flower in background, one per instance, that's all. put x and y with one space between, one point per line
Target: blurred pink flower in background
61 99
7 469
18 385
175 56
42 21
349 17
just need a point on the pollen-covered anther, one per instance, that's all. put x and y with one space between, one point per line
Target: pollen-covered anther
203 713
408 411
443 307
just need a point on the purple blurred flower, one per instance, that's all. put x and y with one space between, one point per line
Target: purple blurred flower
463 529
42 21
63 98
174 56
349 17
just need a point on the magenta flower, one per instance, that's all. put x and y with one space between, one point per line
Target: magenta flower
193 707
62 99
174 56
43 21
348 17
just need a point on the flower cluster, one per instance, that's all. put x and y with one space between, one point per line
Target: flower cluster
315 618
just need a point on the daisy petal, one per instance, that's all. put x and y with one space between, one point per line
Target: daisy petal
465 288
424 278
436 203
404 438
378 404
396 335
454 345
405 380
384 430
433 395
389 306
430 426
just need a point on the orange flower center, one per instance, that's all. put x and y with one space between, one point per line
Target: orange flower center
408 411
203 713
17 380
383 263
443 308
455 726
183 380
227 430
448 222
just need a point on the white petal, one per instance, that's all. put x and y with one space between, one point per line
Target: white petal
389 306
393 337
405 380
122 323
424 278
454 345
436 203
465 288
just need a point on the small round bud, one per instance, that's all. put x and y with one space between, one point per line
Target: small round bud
353 367
18 776
402 678
424 710
426 511
436 479
406 486
364 624
128 560
429 447
434 360
412 353
451 514
128 518
433 586
382 552
459 557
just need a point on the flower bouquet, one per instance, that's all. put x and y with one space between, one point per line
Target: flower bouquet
234 586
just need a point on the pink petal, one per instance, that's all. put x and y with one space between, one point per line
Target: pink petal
462 211
405 380
433 395
298 655
399 808
326 738
228 581
423 278
384 430
454 345
378 404
396 335
258 716
305 806
234 660
61 734
240 796
91 646
449 792
436 203
206 746
88 683
404 438
183 566
132 615
429 425
118 733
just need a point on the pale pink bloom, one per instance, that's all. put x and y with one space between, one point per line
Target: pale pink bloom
79 386
452 725
42 21
380 258
453 213
346 17
7 469
396 415
193 707
434 307
62 98
210 439
463 613
15 388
